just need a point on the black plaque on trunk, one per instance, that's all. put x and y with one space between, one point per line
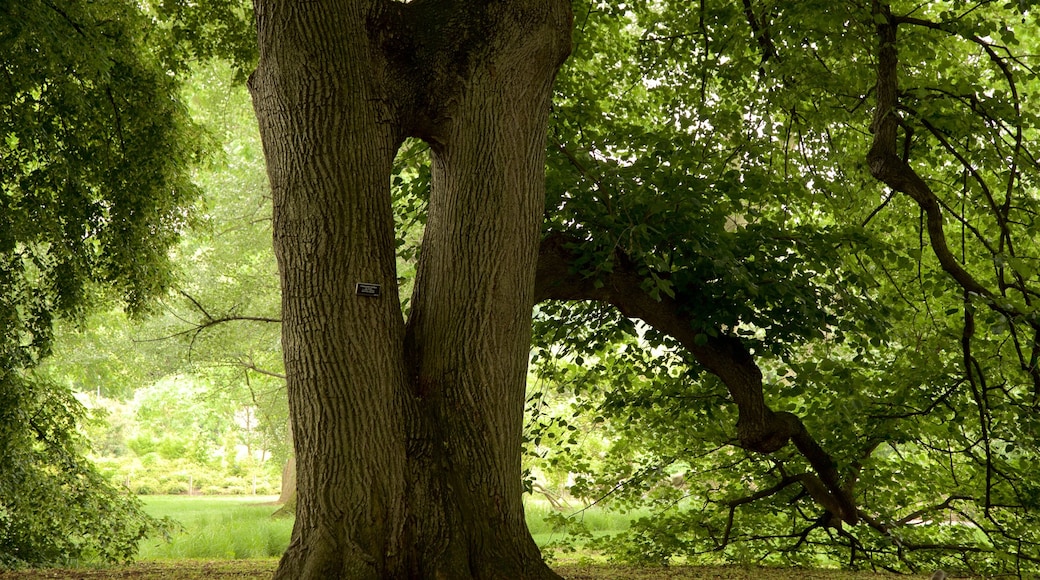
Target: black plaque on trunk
368 290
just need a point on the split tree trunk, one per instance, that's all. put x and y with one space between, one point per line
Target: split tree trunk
407 435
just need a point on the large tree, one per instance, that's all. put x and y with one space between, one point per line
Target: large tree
725 191
407 432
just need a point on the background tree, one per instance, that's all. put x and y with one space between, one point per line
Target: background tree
214 334
223 315
94 152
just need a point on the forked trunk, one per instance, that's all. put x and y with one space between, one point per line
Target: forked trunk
407 436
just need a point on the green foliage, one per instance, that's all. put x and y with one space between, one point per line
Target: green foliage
96 155
721 150
203 372
55 507
225 304
647 161
182 436
211 30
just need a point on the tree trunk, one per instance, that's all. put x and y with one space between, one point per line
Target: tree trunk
407 436
287 496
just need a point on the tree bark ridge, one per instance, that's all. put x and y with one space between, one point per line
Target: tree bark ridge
469 348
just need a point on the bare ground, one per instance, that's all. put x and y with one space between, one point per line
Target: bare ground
262 570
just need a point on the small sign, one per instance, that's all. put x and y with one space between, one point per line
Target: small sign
369 290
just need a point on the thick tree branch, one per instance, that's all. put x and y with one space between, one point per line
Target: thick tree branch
889 168
760 29
886 165
759 428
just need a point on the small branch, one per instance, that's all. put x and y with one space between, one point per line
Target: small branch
735 503
761 32
209 321
198 305
252 366
945 504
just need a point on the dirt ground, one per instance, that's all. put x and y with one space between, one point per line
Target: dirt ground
262 570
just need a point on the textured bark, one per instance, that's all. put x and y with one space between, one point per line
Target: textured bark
407 436
759 428
471 318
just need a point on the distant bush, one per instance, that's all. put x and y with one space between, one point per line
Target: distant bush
174 484
153 474
172 448
144 485
142 444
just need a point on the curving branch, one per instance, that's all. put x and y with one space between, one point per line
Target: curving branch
759 428
760 30
208 320
888 167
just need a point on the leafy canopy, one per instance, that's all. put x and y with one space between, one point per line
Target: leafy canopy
96 152
720 152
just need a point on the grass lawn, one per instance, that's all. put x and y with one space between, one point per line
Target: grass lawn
234 537
217 528
596 520
237 527
262 569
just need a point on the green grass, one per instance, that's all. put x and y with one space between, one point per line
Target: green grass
241 527
235 538
217 527
594 519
